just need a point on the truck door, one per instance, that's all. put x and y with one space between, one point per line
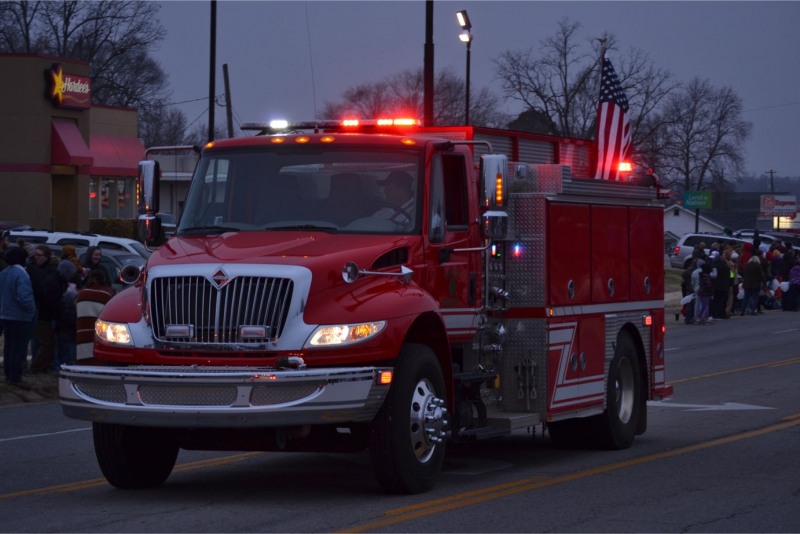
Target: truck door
454 276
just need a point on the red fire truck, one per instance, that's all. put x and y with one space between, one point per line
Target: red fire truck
381 285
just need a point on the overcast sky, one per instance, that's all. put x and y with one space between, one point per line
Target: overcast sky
286 59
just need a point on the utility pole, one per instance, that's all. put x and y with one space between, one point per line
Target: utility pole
228 111
771 181
212 57
428 66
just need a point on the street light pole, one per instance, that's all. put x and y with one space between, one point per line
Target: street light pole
466 38
466 104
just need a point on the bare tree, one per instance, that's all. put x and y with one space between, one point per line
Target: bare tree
402 94
161 126
114 37
559 84
702 138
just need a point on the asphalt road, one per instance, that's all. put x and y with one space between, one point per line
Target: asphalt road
719 456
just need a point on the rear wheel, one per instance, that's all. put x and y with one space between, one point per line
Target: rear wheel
617 426
133 457
407 441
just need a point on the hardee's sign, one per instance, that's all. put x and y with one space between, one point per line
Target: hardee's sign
67 90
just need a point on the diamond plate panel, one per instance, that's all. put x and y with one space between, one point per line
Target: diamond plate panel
525 349
526 273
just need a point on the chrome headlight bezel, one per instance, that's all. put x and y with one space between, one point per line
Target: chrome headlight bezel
113 333
342 335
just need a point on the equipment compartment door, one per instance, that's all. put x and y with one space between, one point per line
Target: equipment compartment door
610 254
568 251
647 256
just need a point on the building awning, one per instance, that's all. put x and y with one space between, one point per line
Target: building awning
67 146
115 156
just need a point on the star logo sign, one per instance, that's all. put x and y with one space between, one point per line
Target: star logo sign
57 84
220 279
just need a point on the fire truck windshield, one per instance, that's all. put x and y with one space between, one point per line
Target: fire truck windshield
348 189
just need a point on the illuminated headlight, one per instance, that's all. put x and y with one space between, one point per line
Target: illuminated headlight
344 334
113 332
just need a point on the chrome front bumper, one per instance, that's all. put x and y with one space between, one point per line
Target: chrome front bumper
231 397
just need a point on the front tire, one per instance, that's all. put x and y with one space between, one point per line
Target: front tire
133 457
407 441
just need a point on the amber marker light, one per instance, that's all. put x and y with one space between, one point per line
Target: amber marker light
408 142
278 140
302 139
210 144
385 378
498 190
327 139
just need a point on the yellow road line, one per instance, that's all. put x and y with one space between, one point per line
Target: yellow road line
96 482
463 500
737 370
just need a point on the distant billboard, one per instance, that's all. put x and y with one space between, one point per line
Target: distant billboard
778 206
697 200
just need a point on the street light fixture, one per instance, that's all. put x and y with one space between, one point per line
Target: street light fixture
465 37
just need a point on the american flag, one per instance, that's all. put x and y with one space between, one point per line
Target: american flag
613 126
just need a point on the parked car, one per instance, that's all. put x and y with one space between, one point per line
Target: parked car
769 238
105 242
685 245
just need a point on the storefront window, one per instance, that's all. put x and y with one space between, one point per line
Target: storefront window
111 198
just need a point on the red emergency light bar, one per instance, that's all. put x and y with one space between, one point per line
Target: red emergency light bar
346 125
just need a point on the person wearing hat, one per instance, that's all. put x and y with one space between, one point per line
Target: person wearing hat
399 194
17 309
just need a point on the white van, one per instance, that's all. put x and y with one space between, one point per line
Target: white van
105 242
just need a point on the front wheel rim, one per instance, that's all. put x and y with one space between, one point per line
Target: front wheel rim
428 421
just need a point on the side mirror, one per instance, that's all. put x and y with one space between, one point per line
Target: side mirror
493 180
148 186
495 225
149 230
494 168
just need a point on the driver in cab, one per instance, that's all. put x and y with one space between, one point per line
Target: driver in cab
399 198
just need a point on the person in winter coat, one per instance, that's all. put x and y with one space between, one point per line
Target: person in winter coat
791 298
704 292
17 309
89 303
720 286
66 328
44 345
52 307
752 281
687 289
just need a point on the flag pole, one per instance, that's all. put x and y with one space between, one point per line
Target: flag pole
602 57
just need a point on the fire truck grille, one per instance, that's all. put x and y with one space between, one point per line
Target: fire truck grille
248 310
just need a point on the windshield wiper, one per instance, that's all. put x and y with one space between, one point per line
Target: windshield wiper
211 229
303 227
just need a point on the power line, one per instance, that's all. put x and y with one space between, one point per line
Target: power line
786 105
